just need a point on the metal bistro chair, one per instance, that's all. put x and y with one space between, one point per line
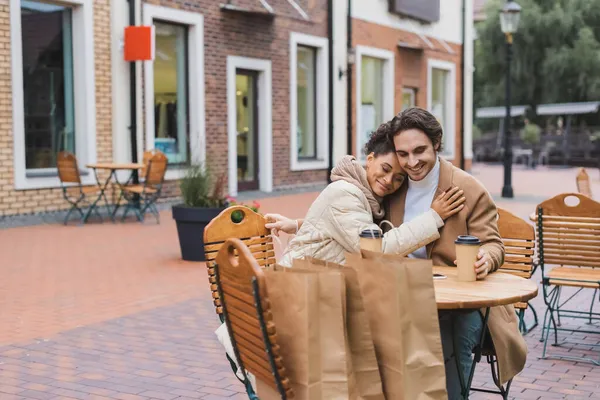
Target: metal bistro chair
519 244
74 192
142 197
246 309
242 223
568 236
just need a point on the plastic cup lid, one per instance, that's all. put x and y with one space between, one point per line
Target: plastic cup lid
467 239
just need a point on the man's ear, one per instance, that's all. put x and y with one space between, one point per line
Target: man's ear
437 146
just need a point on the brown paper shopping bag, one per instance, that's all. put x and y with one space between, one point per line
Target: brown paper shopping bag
362 349
309 310
400 300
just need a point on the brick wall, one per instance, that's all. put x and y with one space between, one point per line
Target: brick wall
39 200
225 34
237 34
387 38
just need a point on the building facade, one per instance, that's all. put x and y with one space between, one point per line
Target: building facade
242 85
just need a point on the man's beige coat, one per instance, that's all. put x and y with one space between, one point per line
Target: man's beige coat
478 218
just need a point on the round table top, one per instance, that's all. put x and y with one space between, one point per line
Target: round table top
497 289
115 166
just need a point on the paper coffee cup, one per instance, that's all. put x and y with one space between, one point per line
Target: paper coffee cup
467 248
371 240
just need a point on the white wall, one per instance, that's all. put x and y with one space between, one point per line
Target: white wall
469 47
340 99
448 28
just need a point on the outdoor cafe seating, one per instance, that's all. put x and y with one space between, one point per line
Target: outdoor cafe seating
254 240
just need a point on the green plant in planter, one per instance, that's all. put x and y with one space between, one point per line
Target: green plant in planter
198 188
531 134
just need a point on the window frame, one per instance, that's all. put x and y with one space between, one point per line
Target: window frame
388 90
84 94
449 137
195 91
321 45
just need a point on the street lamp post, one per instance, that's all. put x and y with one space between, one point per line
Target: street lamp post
509 21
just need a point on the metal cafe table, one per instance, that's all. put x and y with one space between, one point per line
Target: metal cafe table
113 168
497 289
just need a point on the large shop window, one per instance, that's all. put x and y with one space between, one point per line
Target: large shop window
309 101
48 99
371 99
442 101
306 83
171 133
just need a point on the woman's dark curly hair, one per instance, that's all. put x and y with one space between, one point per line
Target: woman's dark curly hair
380 142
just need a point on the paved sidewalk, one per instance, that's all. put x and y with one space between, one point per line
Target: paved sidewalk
110 311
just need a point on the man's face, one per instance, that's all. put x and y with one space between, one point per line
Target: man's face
415 153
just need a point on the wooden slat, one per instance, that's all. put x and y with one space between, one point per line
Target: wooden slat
570 236
521 274
514 251
589 276
519 243
518 267
570 224
571 261
265 244
568 251
517 259
521 306
232 302
567 231
571 243
567 219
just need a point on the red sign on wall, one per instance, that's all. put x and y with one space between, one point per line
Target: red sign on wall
139 43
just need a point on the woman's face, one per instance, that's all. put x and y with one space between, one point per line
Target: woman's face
384 173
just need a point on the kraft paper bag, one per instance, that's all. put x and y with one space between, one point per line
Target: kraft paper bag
362 348
309 312
399 297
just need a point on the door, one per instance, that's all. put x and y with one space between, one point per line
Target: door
247 129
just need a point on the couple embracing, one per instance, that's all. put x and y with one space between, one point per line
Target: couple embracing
429 202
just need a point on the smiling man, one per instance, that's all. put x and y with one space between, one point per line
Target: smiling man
417 137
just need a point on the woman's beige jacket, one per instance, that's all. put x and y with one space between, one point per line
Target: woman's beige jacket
336 218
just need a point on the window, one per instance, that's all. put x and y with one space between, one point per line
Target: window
48 106
442 101
371 99
306 83
53 88
374 92
174 88
171 92
309 99
408 98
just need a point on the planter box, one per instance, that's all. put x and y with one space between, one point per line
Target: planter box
191 222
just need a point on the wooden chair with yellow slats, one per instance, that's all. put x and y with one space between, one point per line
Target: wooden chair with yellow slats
568 231
519 245
148 192
74 192
244 303
242 223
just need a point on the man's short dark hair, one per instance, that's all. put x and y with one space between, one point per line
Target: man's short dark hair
417 118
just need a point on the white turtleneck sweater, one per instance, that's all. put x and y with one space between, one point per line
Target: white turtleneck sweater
418 200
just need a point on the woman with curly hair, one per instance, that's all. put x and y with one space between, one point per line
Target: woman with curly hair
353 203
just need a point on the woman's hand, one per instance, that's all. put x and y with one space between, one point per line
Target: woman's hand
449 203
483 264
277 222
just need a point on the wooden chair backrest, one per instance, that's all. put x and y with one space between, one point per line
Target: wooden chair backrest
519 243
145 160
68 171
156 168
248 316
583 183
569 233
251 231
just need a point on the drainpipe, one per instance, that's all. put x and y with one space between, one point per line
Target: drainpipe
349 78
132 98
331 83
462 88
